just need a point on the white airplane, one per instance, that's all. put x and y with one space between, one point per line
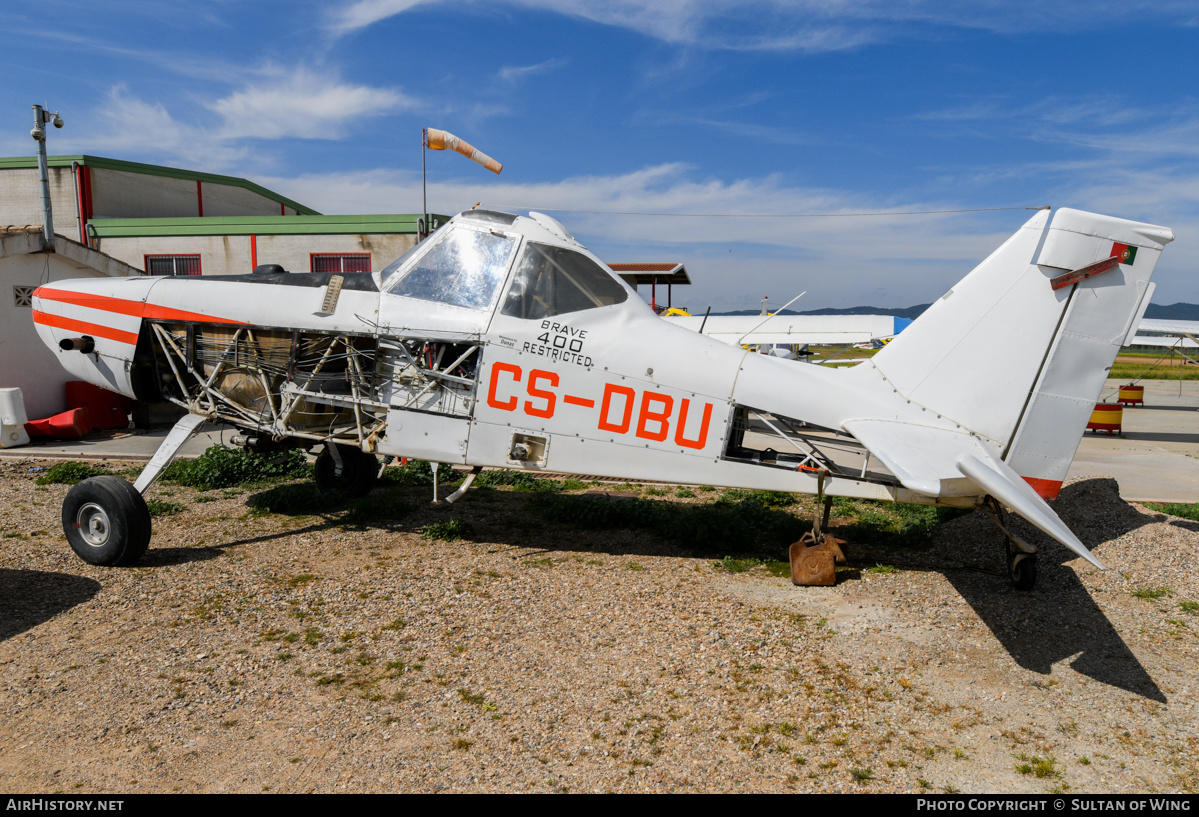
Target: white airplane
502 342
1169 334
793 330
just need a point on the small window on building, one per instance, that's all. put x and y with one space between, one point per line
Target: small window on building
340 263
22 296
173 264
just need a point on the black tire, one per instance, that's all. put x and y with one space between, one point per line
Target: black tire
359 472
106 522
1022 571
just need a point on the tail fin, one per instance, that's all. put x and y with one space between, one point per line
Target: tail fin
1019 362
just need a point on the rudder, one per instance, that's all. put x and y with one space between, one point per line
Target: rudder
1016 362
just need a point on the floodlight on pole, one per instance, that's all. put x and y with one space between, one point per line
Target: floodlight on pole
41 118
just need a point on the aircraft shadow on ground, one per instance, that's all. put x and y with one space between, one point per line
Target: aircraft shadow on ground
1058 620
30 597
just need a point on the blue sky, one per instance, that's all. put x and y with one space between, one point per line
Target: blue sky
720 107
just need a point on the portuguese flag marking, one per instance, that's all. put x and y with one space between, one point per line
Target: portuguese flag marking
1125 253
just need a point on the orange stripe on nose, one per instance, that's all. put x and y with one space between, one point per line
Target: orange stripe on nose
124 306
121 306
83 327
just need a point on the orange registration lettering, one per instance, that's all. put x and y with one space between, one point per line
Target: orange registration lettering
628 395
548 396
679 439
496 368
648 415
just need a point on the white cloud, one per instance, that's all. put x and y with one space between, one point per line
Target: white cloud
806 25
515 73
366 12
889 260
303 104
128 126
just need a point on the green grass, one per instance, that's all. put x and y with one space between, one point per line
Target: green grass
894 523
1181 510
163 507
447 531
69 473
729 525
1038 766
862 775
730 565
1147 371
1151 593
419 472
521 481
741 525
221 467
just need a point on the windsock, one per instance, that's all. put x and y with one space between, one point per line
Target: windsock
443 140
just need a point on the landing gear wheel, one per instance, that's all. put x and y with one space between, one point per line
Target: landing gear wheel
1022 571
359 470
106 521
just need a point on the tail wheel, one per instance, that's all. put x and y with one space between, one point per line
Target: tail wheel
1022 571
106 521
358 473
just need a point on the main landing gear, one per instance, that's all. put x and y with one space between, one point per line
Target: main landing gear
346 470
1019 555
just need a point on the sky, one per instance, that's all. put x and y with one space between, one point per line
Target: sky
743 115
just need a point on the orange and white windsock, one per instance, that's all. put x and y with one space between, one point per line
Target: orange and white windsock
443 140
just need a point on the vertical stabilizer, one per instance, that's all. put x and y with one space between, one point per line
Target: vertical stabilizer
1018 358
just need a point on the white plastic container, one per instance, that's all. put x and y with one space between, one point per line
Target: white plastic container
12 419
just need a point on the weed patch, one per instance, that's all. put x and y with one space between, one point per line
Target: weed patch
1176 509
895 523
520 481
447 531
1151 593
419 472
221 467
163 507
69 473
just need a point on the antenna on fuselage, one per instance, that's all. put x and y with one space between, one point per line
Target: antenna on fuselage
768 317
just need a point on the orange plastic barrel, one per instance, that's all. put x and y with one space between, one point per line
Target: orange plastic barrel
1106 417
1131 395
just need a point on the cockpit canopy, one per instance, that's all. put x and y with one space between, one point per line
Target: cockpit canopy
466 264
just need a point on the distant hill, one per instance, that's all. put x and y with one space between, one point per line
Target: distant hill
1173 312
1176 312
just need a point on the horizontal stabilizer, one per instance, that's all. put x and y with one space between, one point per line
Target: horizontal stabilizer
919 456
1000 481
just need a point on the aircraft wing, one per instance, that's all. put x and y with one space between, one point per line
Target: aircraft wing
921 457
1164 341
820 329
1169 327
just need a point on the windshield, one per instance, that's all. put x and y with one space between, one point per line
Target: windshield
414 250
464 268
553 280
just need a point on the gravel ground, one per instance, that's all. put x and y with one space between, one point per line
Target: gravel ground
301 653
